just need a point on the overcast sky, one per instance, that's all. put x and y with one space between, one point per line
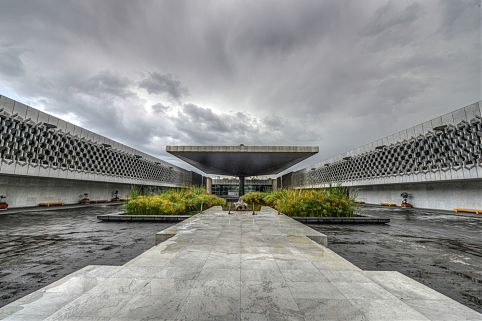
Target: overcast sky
336 74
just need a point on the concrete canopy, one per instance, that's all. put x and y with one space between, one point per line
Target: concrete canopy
242 160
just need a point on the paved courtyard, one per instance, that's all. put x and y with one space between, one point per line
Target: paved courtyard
436 248
217 266
29 237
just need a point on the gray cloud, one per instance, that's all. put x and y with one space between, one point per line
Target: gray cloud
204 118
160 108
156 83
392 27
389 17
398 90
106 83
11 63
458 17
331 73
202 125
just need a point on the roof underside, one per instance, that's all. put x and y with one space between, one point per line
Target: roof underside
242 160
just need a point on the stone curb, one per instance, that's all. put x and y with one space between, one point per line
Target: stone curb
118 217
342 220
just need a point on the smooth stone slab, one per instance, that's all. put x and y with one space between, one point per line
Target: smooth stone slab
216 266
44 302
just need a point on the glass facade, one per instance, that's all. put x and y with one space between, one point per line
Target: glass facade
230 187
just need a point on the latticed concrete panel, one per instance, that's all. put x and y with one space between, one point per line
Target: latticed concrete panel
446 147
25 143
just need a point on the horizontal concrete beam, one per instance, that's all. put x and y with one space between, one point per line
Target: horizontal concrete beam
242 160
244 149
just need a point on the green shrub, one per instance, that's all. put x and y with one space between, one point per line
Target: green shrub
313 202
255 197
271 198
135 191
333 201
172 202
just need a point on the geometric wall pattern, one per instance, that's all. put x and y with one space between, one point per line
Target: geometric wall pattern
24 142
454 147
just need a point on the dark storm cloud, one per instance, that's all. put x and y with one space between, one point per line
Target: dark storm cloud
331 73
203 118
106 83
200 125
156 83
160 108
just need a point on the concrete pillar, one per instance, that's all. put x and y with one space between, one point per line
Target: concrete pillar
274 184
241 185
209 185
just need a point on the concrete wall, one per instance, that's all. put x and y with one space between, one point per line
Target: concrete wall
24 191
434 195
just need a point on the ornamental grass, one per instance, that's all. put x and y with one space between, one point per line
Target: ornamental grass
330 202
173 202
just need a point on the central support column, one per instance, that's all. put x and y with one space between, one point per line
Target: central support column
209 185
241 186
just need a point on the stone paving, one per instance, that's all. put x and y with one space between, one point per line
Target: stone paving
216 266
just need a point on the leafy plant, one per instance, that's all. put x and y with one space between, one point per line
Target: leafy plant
135 191
255 197
334 201
172 202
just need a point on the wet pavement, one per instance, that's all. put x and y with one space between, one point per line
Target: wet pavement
438 249
37 248
217 266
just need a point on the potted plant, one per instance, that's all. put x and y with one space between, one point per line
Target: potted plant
405 203
3 202
85 199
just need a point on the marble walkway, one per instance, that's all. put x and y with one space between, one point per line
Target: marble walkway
216 266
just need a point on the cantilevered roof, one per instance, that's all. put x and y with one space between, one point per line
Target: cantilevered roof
242 160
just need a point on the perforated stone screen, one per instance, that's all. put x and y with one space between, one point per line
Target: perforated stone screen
448 147
40 148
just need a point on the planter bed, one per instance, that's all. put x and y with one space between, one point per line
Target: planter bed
118 217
